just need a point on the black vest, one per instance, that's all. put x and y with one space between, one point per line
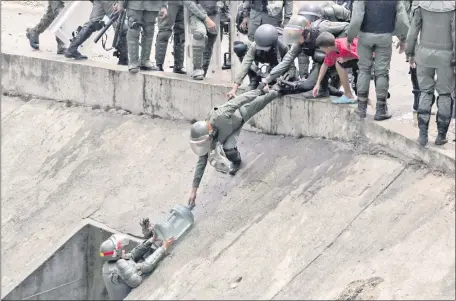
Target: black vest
379 16
309 45
259 5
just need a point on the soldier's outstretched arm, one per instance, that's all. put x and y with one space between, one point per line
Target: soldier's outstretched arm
356 20
402 22
137 253
232 105
199 171
246 64
128 272
285 64
151 262
195 10
412 36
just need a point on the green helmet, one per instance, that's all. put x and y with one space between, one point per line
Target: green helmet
295 29
201 135
111 249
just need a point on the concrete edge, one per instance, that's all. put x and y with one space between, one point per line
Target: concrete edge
35 264
173 96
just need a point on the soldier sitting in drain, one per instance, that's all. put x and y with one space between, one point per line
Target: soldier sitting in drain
264 53
124 271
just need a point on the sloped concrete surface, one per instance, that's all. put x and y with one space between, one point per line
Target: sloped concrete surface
303 219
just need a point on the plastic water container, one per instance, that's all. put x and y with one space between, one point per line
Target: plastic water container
177 223
73 15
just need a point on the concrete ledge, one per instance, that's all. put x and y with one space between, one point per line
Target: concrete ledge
173 96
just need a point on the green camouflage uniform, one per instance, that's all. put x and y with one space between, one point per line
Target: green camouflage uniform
434 22
141 15
172 24
54 8
228 119
381 44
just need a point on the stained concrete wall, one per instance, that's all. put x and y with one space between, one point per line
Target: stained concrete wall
172 96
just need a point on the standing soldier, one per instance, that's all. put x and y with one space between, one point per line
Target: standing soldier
54 8
434 21
266 12
203 16
376 23
95 23
172 23
141 15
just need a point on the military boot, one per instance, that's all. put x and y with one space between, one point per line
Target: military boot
334 91
442 128
146 48
423 126
61 49
179 53
235 158
34 38
381 111
323 92
72 51
198 73
361 110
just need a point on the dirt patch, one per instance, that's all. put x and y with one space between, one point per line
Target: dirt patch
361 289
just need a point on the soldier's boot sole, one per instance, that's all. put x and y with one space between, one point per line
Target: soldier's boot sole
33 38
335 92
179 70
381 112
361 110
133 69
441 139
75 55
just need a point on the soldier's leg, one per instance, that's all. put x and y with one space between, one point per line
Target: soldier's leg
134 30
383 53
165 26
179 41
33 34
199 36
211 39
426 83
147 38
251 108
365 51
254 23
57 6
231 151
445 102
123 47
240 49
94 24
303 63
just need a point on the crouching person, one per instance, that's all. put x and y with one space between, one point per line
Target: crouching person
124 271
337 53
215 139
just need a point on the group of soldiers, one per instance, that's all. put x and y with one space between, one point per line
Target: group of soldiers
276 38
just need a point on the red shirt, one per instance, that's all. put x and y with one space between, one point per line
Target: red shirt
343 52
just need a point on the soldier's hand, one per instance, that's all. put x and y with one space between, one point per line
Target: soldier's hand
231 94
412 62
167 243
163 12
209 23
401 46
245 23
192 197
117 7
266 89
315 90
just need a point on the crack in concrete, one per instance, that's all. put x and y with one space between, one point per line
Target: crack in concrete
343 230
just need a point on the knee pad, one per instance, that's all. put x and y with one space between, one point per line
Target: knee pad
133 24
319 57
96 26
240 49
164 36
199 39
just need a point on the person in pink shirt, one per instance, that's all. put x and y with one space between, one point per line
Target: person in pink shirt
337 53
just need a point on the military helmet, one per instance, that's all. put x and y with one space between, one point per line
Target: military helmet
201 135
310 11
111 249
266 37
295 28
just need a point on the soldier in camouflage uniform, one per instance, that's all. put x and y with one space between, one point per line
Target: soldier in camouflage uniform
99 10
258 12
375 23
141 15
54 8
123 271
172 23
215 139
434 22
203 25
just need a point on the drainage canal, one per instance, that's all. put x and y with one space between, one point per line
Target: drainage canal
72 272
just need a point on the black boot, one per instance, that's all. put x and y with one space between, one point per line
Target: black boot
361 111
235 157
381 112
442 128
72 51
122 51
335 92
179 70
323 92
423 126
160 67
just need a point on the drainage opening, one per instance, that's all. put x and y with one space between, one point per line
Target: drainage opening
73 272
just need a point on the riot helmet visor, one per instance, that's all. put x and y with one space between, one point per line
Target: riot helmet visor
292 34
201 145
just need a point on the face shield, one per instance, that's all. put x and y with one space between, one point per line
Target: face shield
292 34
201 146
